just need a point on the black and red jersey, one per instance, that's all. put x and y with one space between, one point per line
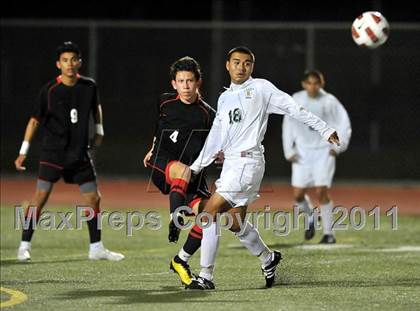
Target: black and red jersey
64 113
181 129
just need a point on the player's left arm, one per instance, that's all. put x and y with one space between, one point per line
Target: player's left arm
98 118
342 123
280 102
288 140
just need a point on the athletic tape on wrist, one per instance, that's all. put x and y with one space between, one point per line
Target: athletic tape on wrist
99 129
24 148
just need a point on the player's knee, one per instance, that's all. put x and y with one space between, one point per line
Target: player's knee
180 170
299 194
322 193
43 188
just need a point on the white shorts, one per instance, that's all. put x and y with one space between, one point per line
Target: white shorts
314 168
240 180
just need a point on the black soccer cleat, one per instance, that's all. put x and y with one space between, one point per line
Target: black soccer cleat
310 232
327 239
174 231
270 270
200 283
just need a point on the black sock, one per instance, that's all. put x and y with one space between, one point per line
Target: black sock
193 242
33 214
177 194
175 200
94 232
27 233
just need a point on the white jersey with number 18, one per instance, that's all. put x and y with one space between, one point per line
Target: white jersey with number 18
242 116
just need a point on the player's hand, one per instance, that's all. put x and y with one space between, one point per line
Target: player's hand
19 162
219 157
333 152
147 157
174 231
294 158
97 140
333 139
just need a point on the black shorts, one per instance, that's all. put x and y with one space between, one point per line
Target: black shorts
197 188
76 173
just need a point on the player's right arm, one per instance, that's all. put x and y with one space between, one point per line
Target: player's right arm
29 134
211 149
149 154
38 113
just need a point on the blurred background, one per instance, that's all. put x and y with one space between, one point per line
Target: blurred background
128 48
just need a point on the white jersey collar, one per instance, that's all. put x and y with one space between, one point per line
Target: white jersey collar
234 87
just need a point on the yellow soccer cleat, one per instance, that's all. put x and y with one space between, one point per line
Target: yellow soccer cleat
180 267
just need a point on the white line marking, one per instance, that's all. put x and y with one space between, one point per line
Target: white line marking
323 246
399 249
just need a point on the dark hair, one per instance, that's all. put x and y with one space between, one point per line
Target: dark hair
315 74
243 50
185 64
68 46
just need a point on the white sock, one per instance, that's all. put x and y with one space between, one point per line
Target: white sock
327 217
25 245
209 246
266 257
207 273
184 255
251 239
96 246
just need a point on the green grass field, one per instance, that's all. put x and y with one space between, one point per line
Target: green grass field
366 270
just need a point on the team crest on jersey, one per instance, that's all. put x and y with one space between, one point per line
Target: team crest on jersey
249 93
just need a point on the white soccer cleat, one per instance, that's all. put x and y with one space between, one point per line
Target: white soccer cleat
99 254
23 254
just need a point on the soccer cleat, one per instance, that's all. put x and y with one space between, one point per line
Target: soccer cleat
180 267
103 253
328 239
270 270
310 232
174 231
23 254
200 283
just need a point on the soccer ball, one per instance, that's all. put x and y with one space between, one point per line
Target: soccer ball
370 30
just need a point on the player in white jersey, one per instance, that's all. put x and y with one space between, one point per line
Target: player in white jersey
313 159
238 130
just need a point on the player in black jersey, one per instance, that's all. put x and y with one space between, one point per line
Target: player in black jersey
181 130
63 109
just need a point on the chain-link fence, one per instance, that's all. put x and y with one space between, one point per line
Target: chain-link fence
130 62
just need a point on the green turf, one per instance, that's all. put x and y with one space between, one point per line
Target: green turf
362 277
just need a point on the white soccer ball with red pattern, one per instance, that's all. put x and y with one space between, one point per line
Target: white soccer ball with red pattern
371 29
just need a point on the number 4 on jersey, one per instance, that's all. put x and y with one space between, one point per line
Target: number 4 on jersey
174 136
